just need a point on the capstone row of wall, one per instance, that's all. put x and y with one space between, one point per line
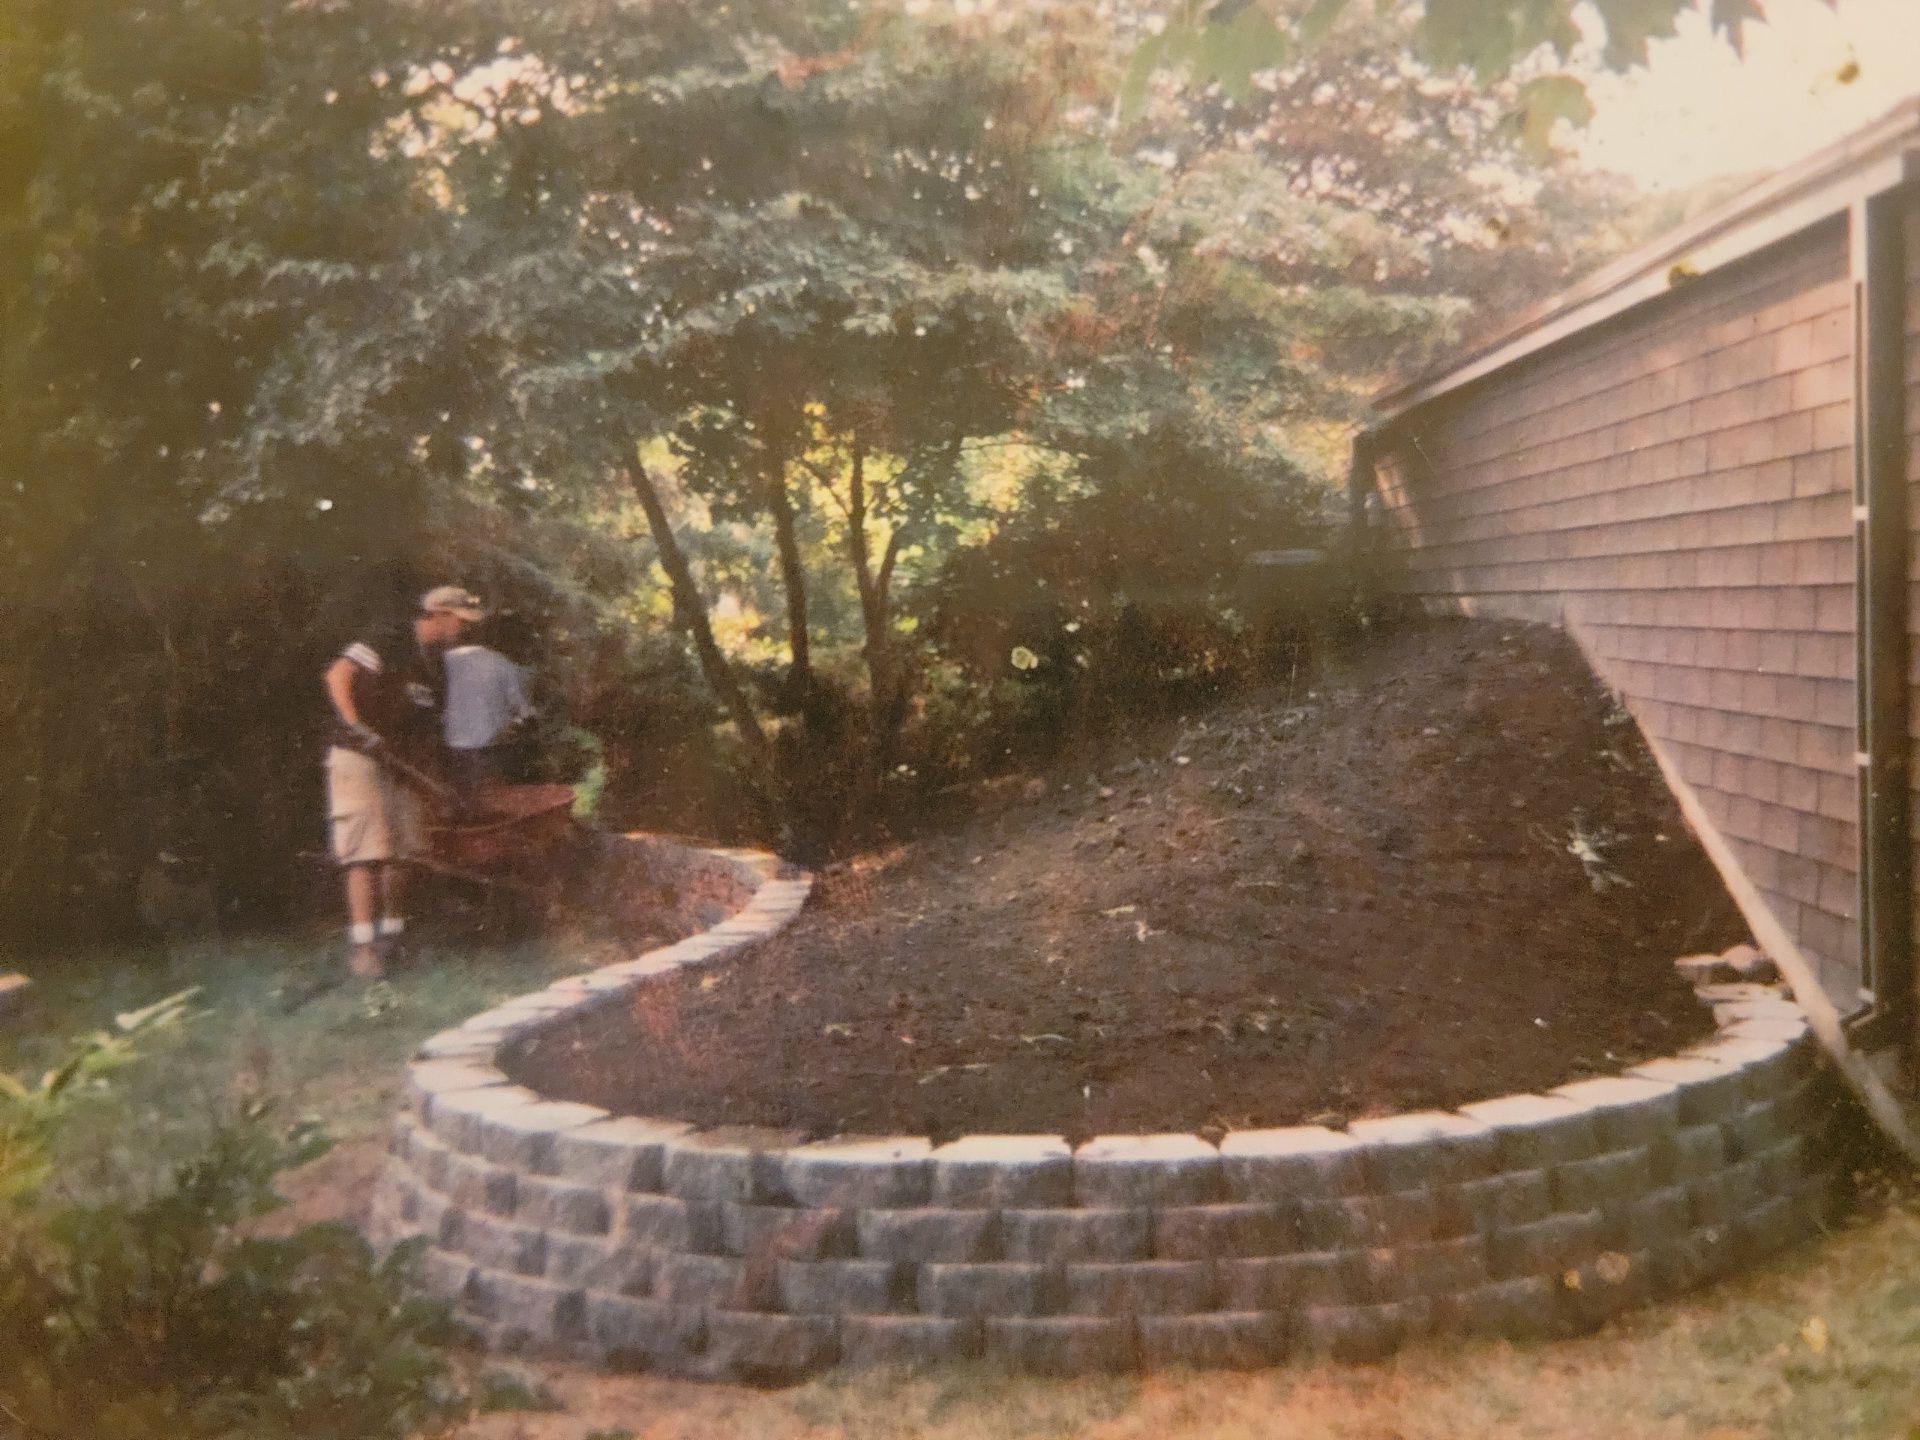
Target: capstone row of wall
747 1254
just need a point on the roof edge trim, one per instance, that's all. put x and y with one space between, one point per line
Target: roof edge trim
1876 158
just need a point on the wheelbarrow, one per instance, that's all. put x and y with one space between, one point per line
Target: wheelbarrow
516 836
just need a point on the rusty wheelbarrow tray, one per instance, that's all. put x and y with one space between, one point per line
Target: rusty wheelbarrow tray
509 835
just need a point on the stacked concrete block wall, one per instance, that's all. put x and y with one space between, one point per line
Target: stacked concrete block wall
1675 486
748 1254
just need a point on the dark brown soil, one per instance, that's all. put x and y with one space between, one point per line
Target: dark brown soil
1356 900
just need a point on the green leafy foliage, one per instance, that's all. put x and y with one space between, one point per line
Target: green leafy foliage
161 1315
1489 38
694 339
30 1114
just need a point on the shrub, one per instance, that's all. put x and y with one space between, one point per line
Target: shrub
159 1316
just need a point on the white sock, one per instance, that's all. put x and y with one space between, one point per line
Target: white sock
392 925
361 932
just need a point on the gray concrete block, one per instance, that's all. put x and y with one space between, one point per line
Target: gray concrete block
1123 1171
1546 1247
1208 1232
459 1045
1812 1105
1779 1027
1534 1131
930 1235
1062 1345
400 1132
458 1117
997 1171
430 1160
1527 1308
1601 1288
888 1173
1704 970
1402 1217
1220 1341
1604 1180
739 1162
763 1349
844 1287
1065 1236
1708 1089
643 1333
536 1309
1518 1197
1628 1111
1357 1333
1285 1282
1721 1199
1141 1287
523 1137
1691 1153
1659 1218
1788 1163
721 1282
907 1340
994 1288
499 1245
424 1079
1707 1253
421 1209
661 1220
1302 1161
1411 1272
782 1233
595 1263
1768 1228
1755 1129
475 1185
1766 1067
444 1275
1425 1148
625 1153
558 1205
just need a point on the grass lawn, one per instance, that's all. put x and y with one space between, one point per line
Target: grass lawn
269 1026
1738 1362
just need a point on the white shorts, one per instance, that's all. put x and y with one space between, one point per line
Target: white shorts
372 816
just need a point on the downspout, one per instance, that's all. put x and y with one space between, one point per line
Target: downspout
1877 257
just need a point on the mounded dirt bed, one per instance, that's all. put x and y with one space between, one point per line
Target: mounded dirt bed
1351 901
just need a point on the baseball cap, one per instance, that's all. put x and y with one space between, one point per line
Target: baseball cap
455 600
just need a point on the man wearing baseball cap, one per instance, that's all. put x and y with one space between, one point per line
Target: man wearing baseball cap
387 690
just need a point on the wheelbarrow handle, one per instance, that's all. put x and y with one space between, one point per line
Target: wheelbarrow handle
416 777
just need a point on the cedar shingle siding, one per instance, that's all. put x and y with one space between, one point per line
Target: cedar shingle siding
1675 486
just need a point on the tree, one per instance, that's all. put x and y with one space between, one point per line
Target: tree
1225 42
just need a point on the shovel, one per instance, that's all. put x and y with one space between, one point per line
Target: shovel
418 779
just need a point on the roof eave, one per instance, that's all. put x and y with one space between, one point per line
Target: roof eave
1876 158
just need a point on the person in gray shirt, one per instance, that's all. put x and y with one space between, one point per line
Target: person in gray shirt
487 710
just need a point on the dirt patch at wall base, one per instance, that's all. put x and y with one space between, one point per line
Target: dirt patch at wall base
1448 871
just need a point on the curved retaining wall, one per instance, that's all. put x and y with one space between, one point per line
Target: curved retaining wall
746 1254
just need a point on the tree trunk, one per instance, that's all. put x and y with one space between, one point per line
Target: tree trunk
793 578
690 609
886 700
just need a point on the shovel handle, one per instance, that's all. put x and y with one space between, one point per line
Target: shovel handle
415 777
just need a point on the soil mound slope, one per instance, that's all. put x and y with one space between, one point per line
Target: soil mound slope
1448 872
